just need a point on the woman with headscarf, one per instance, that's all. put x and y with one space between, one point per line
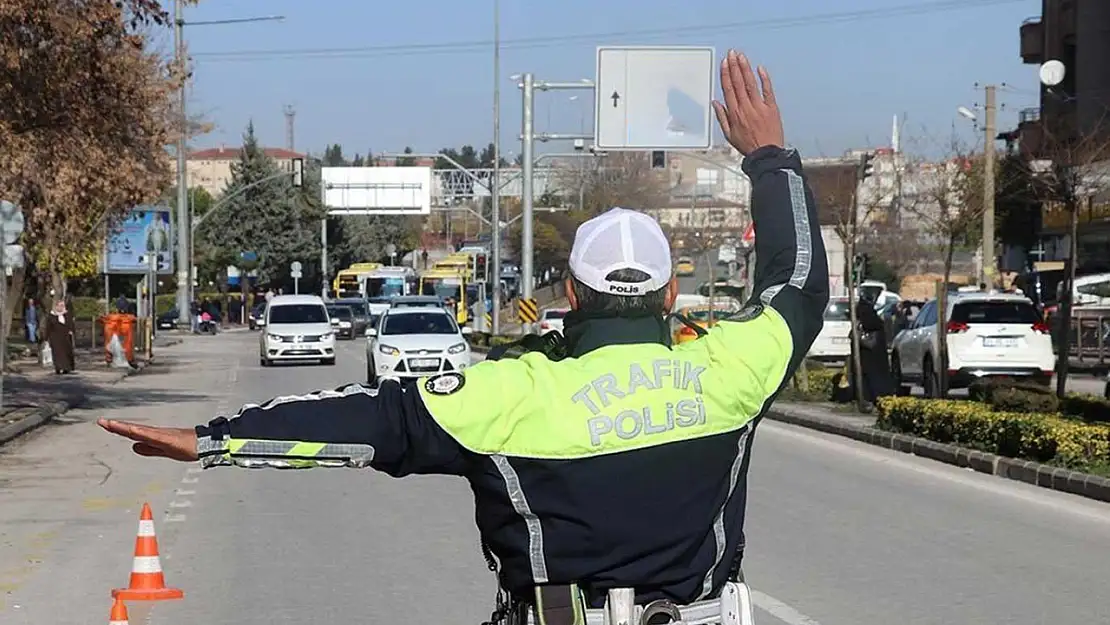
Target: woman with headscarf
873 358
59 334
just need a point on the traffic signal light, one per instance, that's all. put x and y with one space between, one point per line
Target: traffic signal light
866 168
480 269
859 268
658 159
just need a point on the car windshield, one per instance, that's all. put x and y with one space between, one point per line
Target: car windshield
358 309
837 311
554 314
419 323
994 312
340 312
298 313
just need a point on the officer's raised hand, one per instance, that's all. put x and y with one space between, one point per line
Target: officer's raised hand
160 442
749 117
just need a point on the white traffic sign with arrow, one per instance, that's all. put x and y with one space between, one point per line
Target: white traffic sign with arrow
653 98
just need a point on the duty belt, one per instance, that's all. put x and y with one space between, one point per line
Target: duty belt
563 605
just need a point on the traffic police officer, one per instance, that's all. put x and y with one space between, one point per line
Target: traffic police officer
622 465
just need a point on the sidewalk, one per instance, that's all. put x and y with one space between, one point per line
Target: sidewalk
843 421
34 395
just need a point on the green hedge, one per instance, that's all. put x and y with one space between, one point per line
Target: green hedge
1025 397
1045 438
815 386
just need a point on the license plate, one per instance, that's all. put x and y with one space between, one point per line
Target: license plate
424 362
999 341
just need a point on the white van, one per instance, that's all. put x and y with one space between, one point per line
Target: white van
297 329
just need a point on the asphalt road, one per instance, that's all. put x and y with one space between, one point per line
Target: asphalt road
838 532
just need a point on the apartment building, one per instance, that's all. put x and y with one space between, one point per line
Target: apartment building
210 169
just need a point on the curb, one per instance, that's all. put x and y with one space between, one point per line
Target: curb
1045 476
45 413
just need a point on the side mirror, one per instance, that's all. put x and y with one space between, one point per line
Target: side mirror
370 332
467 330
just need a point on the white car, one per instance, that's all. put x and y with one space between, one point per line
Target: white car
415 342
989 335
551 320
832 344
296 329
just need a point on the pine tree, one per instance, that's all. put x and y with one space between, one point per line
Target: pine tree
265 214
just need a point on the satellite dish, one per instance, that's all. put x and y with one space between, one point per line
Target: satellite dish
966 113
1052 73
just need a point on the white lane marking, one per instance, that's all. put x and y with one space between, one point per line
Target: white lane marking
1049 500
189 480
193 470
181 504
175 518
780 610
184 493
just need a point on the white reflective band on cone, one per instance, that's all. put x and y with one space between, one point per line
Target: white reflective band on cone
146 564
146 528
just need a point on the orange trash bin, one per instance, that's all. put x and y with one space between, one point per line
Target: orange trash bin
123 326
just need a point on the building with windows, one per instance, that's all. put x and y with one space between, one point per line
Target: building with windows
210 169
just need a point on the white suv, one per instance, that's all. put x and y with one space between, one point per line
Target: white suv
989 335
832 344
296 329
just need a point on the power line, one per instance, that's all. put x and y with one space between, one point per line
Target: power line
483 46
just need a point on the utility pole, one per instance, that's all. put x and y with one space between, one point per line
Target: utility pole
495 183
290 114
184 263
988 270
528 139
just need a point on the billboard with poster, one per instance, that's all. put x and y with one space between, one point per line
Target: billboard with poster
144 230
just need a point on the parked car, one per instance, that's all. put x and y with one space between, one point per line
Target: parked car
833 344
168 320
989 335
297 329
414 342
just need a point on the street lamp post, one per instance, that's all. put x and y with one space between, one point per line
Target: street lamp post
184 229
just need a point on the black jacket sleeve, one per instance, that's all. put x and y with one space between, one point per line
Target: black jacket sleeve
791 269
388 429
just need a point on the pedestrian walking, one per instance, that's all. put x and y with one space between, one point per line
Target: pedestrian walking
59 330
31 321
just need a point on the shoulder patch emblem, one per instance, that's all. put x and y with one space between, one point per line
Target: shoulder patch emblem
747 313
445 384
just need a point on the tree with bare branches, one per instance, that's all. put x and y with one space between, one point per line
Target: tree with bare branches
85 116
623 179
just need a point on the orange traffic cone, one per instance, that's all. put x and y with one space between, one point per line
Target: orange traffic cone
118 616
147 581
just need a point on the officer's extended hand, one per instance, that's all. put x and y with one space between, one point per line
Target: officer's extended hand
173 443
749 117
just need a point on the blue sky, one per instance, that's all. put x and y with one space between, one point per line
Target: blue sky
839 81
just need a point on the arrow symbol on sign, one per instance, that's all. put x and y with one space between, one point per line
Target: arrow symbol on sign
616 98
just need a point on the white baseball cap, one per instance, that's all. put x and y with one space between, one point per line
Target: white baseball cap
621 239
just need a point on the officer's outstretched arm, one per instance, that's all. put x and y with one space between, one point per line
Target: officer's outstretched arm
770 337
388 429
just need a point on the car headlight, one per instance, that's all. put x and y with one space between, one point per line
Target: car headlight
389 350
274 337
457 349
327 336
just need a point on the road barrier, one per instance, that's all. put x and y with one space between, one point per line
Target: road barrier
147 580
527 310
